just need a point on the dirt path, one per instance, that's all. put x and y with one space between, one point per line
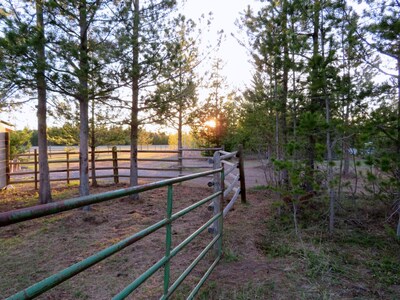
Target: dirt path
69 237
245 272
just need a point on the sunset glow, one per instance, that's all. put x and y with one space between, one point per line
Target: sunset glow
210 123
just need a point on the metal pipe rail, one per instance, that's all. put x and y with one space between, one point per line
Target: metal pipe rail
39 288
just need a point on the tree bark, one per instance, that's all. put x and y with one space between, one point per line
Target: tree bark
44 179
135 99
93 149
180 123
83 103
314 96
331 191
398 143
285 84
180 141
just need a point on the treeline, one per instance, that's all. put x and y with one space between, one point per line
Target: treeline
326 87
68 135
100 63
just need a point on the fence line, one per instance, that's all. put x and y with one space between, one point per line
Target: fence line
237 164
217 197
70 158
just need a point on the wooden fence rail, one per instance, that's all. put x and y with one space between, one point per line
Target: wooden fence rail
25 169
232 164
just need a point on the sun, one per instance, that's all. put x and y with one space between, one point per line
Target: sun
210 123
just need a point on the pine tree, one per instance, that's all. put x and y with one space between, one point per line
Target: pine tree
211 121
24 68
141 52
176 99
384 29
78 31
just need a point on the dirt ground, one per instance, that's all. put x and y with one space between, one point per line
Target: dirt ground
263 257
33 250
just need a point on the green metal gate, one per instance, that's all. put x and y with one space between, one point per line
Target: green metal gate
39 288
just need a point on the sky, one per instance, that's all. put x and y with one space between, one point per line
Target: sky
237 68
225 12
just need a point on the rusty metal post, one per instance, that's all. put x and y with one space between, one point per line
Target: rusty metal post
115 164
241 174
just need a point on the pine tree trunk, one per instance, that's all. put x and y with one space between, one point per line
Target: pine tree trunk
314 96
285 83
329 179
346 157
93 149
331 191
398 143
180 124
135 100
44 179
180 141
83 103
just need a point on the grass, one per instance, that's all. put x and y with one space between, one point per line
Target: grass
264 258
230 255
248 291
356 258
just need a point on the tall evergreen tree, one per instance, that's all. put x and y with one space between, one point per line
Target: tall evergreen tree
384 28
176 99
24 67
142 50
75 25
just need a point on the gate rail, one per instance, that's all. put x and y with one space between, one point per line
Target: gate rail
39 288
214 225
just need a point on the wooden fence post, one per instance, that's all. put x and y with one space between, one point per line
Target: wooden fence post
7 146
36 168
180 161
241 174
115 164
67 167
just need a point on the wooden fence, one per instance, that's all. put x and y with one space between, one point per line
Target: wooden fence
4 158
224 164
113 164
233 166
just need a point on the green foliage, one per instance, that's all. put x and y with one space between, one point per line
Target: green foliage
219 108
247 291
274 249
188 140
320 264
386 270
160 138
20 142
230 255
256 118
383 160
67 135
174 100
